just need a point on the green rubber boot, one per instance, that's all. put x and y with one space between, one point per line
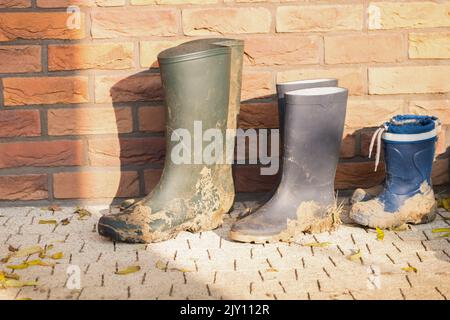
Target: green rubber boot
202 84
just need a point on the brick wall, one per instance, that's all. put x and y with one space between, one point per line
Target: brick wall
81 114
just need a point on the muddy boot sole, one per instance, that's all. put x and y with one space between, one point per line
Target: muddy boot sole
417 210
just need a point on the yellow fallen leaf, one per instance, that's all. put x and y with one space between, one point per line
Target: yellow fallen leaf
444 203
439 230
403 227
82 213
27 251
24 299
272 270
184 270
380 234
410 269
38 262
57 256
160 265
11 283
14 276
317 244
355 256
128 270
48 222
445 235
20 266
54 207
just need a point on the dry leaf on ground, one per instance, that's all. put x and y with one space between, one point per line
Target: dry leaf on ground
355 256
380 234
317 244
128 270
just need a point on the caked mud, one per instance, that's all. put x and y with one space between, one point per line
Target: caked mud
202 211
420 208
310 218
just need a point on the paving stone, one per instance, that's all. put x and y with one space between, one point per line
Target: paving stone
210 266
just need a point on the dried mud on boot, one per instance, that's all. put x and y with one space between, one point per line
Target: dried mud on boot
311 218
420 208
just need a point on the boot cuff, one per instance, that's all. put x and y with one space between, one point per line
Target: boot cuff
411 124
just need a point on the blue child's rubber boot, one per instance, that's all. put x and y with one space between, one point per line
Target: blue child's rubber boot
407 196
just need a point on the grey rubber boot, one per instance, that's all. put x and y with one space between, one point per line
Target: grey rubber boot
202 85
282 88
305 199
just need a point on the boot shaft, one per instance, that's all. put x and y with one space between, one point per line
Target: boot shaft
313 134
409 147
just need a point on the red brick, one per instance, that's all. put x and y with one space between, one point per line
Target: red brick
89 121
45 90
25 187
440 175
151 178
15 3
351 175
101 184
17 59
152 119
258 115
348 145
249 179
41 154
19 123
139 87
38 25
124 151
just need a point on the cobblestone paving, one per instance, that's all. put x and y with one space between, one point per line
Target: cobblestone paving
209 266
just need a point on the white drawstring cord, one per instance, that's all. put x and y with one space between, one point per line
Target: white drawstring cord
376 136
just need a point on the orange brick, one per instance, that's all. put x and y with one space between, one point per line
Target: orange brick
270 51
87 184
364 112
34 25
82 121
364 48
219 21
82 3
45 90
352 78
256 85
41 154
25 187
90 56
409 79
15 3
319 18
134 22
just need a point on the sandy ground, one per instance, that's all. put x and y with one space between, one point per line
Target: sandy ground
210 266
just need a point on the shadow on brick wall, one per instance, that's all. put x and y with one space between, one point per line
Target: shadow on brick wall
142 150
